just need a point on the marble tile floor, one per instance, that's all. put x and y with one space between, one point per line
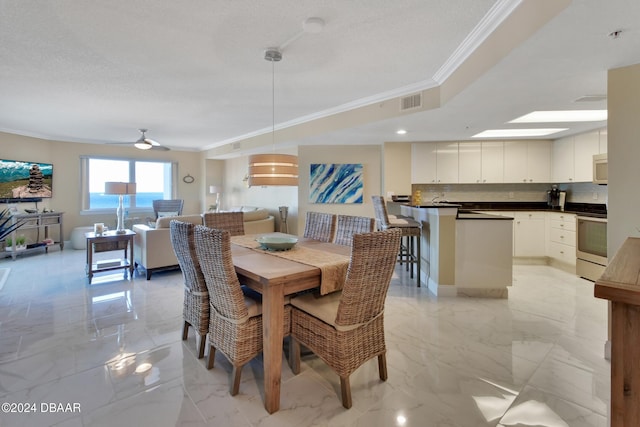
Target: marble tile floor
111 354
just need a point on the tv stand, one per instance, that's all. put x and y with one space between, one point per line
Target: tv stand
40 223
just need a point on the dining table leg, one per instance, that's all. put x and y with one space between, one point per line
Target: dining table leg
272 324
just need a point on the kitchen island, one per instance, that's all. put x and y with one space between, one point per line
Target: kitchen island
464 253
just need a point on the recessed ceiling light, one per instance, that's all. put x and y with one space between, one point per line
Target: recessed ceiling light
562 116
401 132
513 133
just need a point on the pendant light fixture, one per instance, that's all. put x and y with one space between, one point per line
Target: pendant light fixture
273 169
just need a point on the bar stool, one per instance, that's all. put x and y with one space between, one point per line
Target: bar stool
411 233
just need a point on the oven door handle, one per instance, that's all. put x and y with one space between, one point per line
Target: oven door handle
590 218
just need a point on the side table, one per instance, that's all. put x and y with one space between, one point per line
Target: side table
105 242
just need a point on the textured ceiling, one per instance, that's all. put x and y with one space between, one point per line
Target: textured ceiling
193 72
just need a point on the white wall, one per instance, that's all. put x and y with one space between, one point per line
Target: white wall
65 157
623 103
370 156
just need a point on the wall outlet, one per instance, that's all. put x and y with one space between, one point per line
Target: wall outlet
511 195
595 196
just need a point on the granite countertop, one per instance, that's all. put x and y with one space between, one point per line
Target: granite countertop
597 210
583 209
436 205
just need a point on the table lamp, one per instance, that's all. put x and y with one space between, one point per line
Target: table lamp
214 189
120 188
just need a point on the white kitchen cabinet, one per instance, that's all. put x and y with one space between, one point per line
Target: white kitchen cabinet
470 162
561 237
539 161
603 141
480 162
573 156
447 162
515 161
529 234
586 145
423 163
434 163
527 161
563 160
492 162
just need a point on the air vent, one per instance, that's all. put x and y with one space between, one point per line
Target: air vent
235 146
591 98
410 102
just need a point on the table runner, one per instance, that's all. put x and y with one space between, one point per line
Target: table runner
333 266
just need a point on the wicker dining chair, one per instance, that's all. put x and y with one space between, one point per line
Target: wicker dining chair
409 252
235 324
195 309
348 225
174 206
346 329
320 226
233 222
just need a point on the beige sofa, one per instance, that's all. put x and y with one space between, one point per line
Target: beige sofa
152 245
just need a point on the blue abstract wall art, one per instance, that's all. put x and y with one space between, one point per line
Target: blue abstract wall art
336 183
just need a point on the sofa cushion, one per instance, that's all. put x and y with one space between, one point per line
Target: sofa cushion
255 215
166 220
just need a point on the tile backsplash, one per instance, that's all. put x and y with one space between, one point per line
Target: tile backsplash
584 192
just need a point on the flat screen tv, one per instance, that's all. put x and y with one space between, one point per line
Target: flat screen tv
25 180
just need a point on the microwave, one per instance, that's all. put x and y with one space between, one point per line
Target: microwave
600 169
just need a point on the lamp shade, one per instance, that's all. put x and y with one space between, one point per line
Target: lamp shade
273 169
214 189
120 188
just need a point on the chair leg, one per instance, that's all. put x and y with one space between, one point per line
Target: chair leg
185 330
382 366
201 345
294 355
235 380
212 357
419 258
346 392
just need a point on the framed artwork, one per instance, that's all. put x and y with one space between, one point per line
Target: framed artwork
336 183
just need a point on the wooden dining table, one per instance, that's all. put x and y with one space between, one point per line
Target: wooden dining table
275 277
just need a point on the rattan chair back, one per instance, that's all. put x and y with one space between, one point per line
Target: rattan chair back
380 209
348 225
196 296
320 226
373 257
233 222
213 248
172 205
183 243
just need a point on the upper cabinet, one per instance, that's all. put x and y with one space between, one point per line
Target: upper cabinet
492 162
573 156
527 161
447 162
480 162
434 162
423 163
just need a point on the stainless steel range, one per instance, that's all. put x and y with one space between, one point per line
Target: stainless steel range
591 247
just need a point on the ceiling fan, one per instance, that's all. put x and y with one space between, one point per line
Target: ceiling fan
144 143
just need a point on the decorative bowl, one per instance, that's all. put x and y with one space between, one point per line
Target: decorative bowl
277 243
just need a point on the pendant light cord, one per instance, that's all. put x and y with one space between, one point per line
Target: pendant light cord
273 105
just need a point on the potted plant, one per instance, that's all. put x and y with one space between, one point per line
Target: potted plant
7 226
20 243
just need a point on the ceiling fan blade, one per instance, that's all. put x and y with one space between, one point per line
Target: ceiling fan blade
160 148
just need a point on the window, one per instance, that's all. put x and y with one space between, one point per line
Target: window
154 180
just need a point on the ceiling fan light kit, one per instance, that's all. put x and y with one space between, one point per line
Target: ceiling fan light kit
144 143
